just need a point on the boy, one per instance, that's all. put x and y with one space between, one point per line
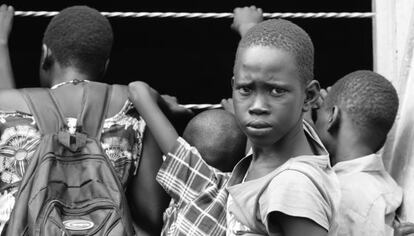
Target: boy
247 17
208 131
353 123
286 187
76 48
272 87
197 190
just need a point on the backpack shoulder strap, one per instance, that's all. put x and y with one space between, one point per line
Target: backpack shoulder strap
43 107
95 105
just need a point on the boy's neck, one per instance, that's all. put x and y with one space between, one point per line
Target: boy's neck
350 145
68 74
351 150
293 144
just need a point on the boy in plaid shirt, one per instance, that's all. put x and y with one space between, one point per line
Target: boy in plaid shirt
197 189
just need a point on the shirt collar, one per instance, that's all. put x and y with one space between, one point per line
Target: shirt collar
322 159
74 81
371 162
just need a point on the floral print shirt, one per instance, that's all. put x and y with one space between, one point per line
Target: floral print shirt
121 139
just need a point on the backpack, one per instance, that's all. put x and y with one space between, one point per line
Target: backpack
70 187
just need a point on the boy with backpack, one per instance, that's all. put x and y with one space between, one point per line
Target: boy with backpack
69 64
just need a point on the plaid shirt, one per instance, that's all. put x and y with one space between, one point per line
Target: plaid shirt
198 193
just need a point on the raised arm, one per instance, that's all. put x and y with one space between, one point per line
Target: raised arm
150 200
148 197
151 106
6 72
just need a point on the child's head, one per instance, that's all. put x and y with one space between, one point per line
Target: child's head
285 36
366 101
78 37
273 80
217 137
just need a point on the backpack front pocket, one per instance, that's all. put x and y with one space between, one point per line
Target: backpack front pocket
95 217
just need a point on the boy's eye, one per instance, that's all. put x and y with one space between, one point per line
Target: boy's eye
244 90
277 91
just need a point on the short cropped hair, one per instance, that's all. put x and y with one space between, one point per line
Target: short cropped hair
80 36
217 137
285 35
368 98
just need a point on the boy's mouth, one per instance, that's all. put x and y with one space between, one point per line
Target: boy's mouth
258 125
258 128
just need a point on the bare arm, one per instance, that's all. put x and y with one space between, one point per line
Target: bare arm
6 22
294 226
148 197
147 101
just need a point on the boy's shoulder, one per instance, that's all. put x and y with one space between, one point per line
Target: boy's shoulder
13 100
118 100
366 186
369 187
298 170
314 168
187 155
365 194
366 174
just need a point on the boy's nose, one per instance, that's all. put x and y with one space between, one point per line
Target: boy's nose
259 106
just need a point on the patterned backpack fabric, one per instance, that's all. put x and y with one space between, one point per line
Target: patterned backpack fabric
70 186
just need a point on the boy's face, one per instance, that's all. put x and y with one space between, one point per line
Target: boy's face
268 94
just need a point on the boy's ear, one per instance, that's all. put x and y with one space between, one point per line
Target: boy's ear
312 95
334 119
46 59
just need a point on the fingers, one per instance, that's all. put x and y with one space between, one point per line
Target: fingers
10 11
227 105
174 106
245 18
241 9
248 13
226 102
6 21
7 12
322 96
323 93
169 98
404 228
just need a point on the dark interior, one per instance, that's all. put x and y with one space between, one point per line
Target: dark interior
193 58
